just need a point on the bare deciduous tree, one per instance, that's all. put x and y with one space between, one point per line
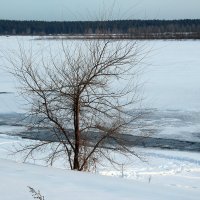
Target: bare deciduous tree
82 95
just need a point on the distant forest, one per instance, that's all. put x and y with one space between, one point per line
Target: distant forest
130 29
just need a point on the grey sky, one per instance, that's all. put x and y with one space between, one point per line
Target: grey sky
93 9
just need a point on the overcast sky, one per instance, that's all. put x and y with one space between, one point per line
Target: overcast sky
93 9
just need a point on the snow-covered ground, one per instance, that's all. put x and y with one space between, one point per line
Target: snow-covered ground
57 184
172 95
163 175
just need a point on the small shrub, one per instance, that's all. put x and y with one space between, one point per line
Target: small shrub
36 194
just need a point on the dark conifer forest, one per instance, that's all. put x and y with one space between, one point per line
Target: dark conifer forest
130 29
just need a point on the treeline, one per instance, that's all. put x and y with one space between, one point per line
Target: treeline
140 29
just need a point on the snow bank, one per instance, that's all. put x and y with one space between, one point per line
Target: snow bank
57 184
165 175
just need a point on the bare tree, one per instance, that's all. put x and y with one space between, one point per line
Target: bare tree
82 95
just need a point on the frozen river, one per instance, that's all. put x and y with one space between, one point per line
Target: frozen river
171 87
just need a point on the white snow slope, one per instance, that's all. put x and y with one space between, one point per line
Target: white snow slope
166 175
57 184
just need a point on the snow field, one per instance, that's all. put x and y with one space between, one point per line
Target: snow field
167 174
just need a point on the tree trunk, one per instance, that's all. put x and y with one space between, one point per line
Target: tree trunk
77 135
